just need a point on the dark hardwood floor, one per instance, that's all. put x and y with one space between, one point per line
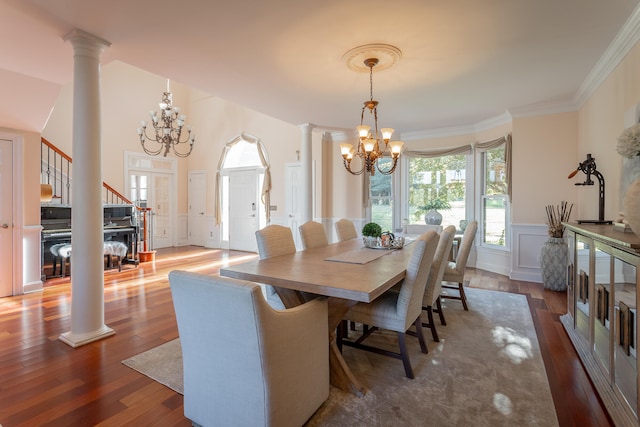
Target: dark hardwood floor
45 382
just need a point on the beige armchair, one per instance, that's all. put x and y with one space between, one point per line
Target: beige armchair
245 363
313 235
454 270
434 283
345 230
396 310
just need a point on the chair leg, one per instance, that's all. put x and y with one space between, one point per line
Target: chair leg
420 335
431 325
405 356
440 312
463 296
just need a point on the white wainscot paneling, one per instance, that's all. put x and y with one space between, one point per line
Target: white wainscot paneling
527 244
214 231
31 263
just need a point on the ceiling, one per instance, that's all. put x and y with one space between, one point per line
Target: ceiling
463 61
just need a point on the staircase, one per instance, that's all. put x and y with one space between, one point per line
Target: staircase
56 183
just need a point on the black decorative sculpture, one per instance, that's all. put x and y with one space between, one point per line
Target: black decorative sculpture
589 168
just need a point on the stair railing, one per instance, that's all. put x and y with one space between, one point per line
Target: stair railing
59 178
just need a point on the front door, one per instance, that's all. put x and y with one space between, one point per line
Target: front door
243 210
6 218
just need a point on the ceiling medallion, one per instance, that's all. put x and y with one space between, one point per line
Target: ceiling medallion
386 54
374 144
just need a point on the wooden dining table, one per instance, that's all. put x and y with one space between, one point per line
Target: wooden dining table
345 272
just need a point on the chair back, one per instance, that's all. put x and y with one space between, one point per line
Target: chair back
465 247
275 240
345 230
235 367
434 282
412 289
313 235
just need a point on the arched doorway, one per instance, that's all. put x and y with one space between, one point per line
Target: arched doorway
243 186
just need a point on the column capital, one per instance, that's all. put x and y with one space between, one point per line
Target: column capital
86 43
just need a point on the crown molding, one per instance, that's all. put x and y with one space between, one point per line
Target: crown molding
626 39
544 109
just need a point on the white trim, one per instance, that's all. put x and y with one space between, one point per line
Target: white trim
18 273
527 244
625 40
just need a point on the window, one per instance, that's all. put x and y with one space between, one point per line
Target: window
381 197
494 198
432 178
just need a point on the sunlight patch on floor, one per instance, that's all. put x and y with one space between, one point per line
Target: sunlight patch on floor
502 403
516 347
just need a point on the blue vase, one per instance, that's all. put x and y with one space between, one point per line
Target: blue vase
554 260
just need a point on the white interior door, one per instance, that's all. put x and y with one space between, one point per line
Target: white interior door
293 201
243 210
6 218
197 204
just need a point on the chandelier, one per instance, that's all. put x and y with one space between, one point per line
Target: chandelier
167 130
370 149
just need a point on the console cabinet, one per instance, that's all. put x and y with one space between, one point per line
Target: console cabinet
601 318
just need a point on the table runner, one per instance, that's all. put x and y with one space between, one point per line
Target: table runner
359 256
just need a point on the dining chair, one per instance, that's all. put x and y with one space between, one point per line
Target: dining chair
454 270
245 363
345 230
274 240
398 310
434 282
313 235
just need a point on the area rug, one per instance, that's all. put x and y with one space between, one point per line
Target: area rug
485 371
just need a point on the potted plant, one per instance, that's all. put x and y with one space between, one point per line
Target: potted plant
371 232
432 216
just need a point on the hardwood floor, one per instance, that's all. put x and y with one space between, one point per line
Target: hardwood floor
45 382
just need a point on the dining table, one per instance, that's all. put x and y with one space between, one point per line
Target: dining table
346 273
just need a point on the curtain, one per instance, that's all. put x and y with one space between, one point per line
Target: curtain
464 149
506 140
266 185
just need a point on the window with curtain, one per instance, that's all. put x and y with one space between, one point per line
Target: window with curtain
495 196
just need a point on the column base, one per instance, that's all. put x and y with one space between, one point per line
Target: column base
77 340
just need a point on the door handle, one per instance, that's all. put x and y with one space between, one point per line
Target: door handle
5 225
252 215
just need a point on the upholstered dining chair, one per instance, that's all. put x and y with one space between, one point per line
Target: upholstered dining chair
245 363
274 240
434 282
345 230
313 235
399 308
454 270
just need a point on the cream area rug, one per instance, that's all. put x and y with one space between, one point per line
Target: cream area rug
485 371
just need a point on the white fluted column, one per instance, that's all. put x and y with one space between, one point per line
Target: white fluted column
87 260
307 174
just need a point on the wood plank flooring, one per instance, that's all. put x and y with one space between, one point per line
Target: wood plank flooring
45 382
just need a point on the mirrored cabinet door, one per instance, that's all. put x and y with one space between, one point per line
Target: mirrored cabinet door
625 365
581 286
601 306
